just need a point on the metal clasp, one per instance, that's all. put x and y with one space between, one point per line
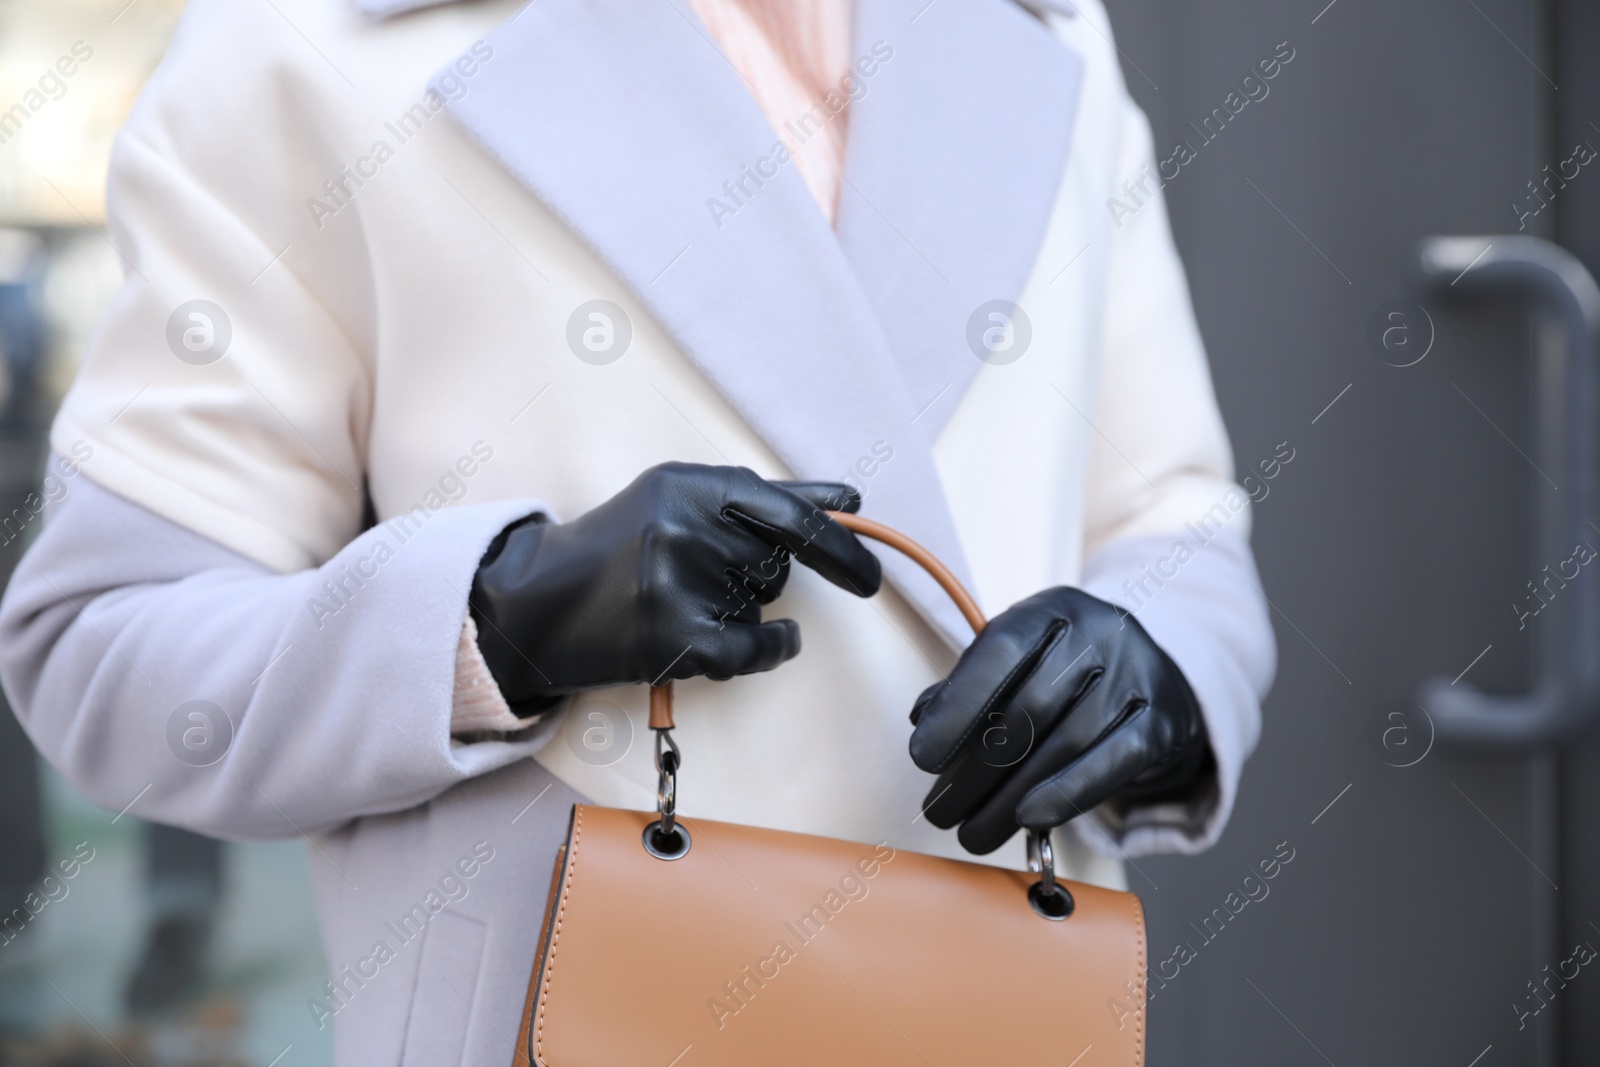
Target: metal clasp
1049 897
666 838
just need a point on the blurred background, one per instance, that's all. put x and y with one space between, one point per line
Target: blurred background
1444 891
1436 896
119 942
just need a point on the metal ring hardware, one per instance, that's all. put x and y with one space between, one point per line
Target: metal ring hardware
666 838
1049 897
667 846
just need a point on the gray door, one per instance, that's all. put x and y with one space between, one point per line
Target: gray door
1422 908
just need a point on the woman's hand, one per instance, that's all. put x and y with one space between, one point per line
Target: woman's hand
1061 702
664 580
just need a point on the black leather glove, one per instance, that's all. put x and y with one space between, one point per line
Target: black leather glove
664 580
1061 702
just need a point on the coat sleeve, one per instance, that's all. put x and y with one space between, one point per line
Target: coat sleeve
229 386
205 586
166 674
1167 529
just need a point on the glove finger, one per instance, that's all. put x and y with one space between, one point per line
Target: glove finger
924 699
741 648
1088 781
833 496
741 599
1102 711
1011 730
765 580
756 583
988 672
770 588
782 518
973 778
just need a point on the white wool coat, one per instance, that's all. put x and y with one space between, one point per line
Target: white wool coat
478 260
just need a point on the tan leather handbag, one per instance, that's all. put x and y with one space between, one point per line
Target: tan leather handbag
677 942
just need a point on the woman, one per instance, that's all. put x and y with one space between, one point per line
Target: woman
438 416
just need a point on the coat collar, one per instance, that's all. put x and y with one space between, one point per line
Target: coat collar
839 349
953 162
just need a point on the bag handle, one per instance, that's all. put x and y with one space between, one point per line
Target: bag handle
661 695
667 839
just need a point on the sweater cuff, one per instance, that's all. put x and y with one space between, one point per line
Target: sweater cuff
477 706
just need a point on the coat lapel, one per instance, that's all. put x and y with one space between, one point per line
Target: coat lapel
954 158
626 121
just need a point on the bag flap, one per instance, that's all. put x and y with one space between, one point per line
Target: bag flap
772 948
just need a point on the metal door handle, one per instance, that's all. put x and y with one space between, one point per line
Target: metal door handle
1565 697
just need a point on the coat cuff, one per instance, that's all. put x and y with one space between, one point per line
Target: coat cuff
337 683
1201 601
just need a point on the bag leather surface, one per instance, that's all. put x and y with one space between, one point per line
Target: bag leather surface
763 948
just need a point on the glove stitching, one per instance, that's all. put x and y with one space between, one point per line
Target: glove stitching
1008 686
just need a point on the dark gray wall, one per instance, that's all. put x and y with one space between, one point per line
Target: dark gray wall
1396 541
